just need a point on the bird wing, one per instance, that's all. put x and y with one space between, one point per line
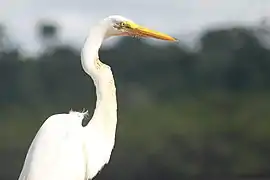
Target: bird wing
57 151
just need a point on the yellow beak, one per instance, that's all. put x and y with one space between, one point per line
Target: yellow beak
145 32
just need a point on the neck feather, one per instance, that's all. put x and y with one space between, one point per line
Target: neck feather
91 48
105 115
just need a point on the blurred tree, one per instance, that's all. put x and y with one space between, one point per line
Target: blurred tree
221 64
6 45
10 73
48 33
2 38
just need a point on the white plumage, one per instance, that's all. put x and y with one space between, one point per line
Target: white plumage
65 150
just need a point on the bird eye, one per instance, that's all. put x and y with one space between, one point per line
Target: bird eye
122 24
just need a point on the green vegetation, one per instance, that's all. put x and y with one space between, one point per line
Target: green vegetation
182 113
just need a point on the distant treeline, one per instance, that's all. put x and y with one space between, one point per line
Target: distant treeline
182 113
228 60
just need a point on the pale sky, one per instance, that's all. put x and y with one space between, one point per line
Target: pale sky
169 16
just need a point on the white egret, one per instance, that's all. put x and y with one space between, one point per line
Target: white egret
65 150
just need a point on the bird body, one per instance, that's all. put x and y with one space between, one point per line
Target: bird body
63 148
57 147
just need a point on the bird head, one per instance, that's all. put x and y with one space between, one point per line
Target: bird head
121 26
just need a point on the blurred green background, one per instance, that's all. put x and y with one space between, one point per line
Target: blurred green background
183 113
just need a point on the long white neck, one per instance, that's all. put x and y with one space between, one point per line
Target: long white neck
104 119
